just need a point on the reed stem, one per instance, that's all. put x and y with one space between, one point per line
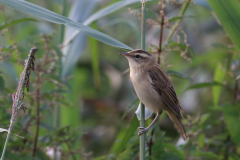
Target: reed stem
142 121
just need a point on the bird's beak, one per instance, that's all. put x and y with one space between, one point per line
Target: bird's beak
124 54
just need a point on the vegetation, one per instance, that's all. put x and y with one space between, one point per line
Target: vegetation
79 103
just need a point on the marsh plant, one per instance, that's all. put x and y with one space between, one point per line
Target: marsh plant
78 102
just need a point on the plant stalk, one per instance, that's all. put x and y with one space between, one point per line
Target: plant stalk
37 116
6 142
142 121
181 13
15 106
161 32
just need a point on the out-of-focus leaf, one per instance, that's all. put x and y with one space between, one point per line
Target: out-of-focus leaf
1 83
228 13
6 130
129 108
201 140
173 149
179 75
168 156
130 23
42 155
215 55
79 12
158 147
103 158
209 155
95 60
178 17
218 77
47 126
109 9
203 119
231 117
203 3
58 1
7 49
9 70
203 85
16 21
173 45
42 13
222 46
45 138
101 13
131 129
159 153
149 14
125 154
174 19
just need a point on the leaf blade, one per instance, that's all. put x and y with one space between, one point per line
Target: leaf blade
231 116
42 13
203 85
131 129
16 21
228 14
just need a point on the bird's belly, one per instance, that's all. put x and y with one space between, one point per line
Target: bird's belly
148 96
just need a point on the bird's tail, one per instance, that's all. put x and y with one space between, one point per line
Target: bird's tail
178 123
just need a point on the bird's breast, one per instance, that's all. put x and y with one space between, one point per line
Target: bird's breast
145 91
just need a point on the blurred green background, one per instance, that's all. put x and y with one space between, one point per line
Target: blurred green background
86 101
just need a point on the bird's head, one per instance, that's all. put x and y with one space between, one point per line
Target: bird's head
139 58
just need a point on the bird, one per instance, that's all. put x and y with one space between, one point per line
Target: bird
154 88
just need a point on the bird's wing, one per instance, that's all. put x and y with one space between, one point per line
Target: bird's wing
163 86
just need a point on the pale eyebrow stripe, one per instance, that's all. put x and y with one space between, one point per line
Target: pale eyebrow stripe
140 52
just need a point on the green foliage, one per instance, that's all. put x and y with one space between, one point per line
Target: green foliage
1 83
179 75
42 13
129 133
228 14
13 22
162 150
89 114
203 85
231 115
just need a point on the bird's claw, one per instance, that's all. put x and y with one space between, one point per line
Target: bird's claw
143 130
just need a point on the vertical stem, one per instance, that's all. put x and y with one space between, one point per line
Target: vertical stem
142 122
16 101
188 148
161 32
6 142
37 116
150 143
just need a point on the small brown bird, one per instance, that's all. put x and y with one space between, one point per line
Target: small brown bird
153 87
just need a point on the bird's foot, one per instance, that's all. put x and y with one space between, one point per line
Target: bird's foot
143 130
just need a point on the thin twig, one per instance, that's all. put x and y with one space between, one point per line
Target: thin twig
181 13
23 83
235 92
161 32
37 116
188 148
150 143
72 153
227 148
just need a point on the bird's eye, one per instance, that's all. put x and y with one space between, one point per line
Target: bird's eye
137 56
